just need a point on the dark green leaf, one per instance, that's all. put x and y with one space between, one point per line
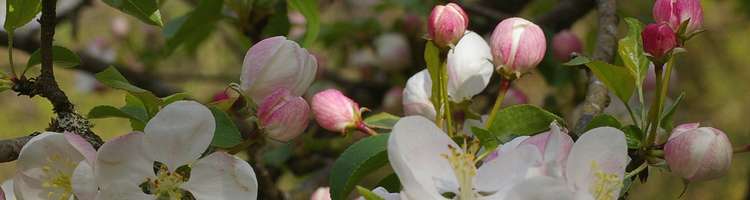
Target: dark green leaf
112 78
630 49
367 194
486 139
134 107
603 120
20 12
309 9
578 60
355 162
519 120
633 136
61 56
110 111
667 121
390 183
382 120
618 79
145 10
226 134
194 26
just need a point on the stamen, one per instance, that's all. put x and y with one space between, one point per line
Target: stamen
464 170
605 184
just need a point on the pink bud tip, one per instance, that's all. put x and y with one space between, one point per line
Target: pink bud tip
698 153
676 12
658 40
447 24
564 44
518 45
335 112
283 116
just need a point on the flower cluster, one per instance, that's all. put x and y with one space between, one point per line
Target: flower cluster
676 22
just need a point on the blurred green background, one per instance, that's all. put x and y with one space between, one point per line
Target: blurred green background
712 73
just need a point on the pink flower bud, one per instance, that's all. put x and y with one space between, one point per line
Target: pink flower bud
698 154
447 24
517 46
283 116
658 40
676 12
276 63
564 44
336 112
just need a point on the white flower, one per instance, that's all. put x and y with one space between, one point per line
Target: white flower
277 63
176 137
469 67
7 190
383 193
55 166
417 94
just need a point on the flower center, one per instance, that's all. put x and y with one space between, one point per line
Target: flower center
605 184
56 180
166 184
464 169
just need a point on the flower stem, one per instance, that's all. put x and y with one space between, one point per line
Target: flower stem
655 111
636 170
10 54
242 146
448 114
504 86
742 149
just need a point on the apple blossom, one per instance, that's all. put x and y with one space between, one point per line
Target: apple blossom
676 12
147 165
658 40
565 44
446 24
417 94
393 51
698 153
277 63
518 46
6 190
283 116
336 112
55 166
469 67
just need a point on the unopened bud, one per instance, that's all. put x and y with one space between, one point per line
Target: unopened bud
276 63
676 12
698 153
565 44
336 112
517 46
447 24
283 116
658 40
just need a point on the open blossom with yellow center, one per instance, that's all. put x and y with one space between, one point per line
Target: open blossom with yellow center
55 166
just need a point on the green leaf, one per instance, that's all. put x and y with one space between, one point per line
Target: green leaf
618 79
193 26
633 136
5 85
630 49
520 120
145 10
432 59
367 194
112 78
105 111
226 134
390 183
135 107
20 12
603 120
578 60
486 139
382 120
278 156
667 122
175 97
278 23
61 56
355 162
309 9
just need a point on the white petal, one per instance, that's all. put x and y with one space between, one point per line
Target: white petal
222 176
384 194
417 94
83 146
8 191
510 146
50 150
179 133
26 187
83 182
415 149
498 175
123 191
600 150
555 146
469 67
122 159
540 187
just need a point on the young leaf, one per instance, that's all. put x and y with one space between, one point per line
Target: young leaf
20 12
145 10
521 120
309 9
367 194
667 122
226 134
617 78
61 56
603 120
382 120
112 78
135 107
633 136
578 60
194 26
630 49
486 139
357 161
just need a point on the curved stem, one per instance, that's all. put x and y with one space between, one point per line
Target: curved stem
655 110
10 54
636 171
504 85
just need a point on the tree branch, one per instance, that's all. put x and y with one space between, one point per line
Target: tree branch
597 98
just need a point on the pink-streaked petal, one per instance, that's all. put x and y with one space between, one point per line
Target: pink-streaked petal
682 128
83 146
600 150
498 175
222 176
119 190
83 182
179 133
555 146
415 150
540 187
123 159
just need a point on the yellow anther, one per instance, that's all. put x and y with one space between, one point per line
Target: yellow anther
605 184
